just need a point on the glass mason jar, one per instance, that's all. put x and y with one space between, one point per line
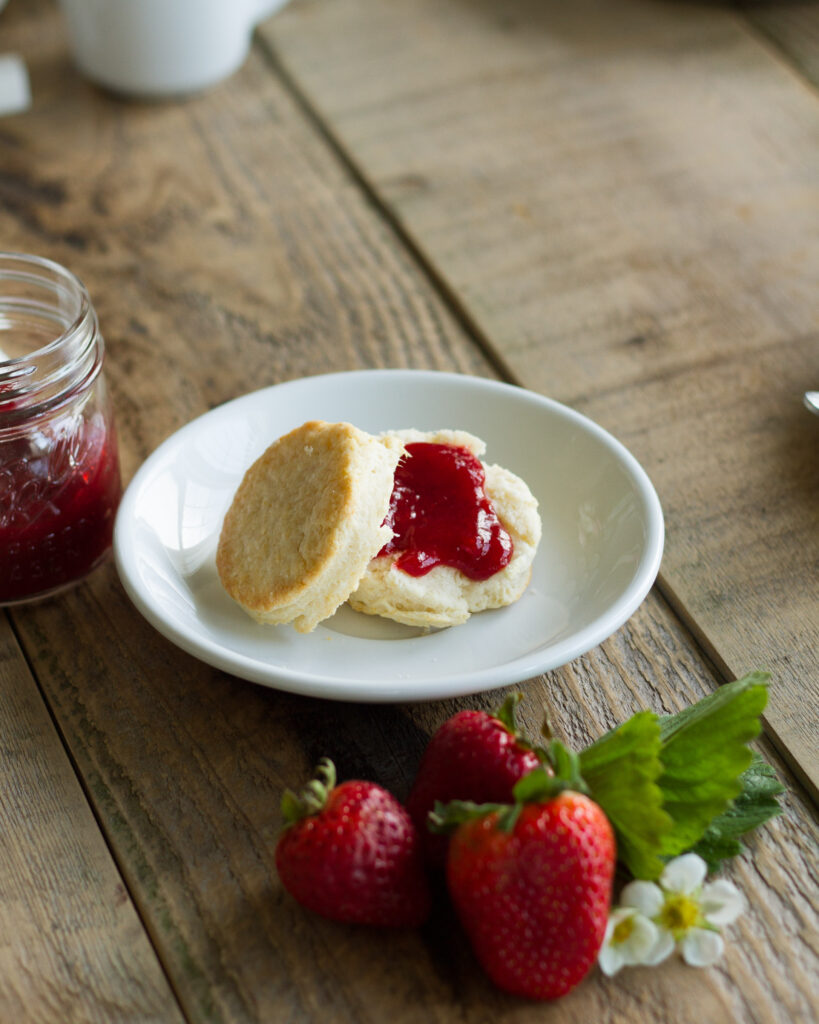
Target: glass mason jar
59 470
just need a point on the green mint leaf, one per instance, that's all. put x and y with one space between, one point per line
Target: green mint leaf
621 771
715 848
704 754
755 805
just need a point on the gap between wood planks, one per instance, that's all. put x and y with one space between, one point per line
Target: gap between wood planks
135 903
370 194
699 640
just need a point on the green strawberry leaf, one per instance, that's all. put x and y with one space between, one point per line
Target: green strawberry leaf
704 754
445 818
621 771
536 786
505 714
668 784
312 798
542 783
755 805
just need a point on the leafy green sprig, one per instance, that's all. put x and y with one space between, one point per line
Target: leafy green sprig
686 781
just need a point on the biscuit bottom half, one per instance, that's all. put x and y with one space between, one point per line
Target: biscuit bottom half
445 596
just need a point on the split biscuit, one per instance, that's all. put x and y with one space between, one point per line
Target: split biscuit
305 522
445 596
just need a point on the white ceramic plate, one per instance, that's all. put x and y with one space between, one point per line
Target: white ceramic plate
600 552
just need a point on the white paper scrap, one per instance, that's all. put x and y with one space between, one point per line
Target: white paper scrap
15 92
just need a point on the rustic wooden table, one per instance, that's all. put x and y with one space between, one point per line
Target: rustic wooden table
613 204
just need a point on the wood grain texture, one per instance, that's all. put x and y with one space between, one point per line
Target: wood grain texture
72 948
226 248
623 201
222 249
793 27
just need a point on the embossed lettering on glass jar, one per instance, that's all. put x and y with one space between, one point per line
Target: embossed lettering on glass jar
59 471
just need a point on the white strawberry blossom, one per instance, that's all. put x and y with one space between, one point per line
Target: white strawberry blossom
682 911
630 938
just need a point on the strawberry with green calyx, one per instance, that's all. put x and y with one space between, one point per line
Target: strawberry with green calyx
660 785
474 756
351 853
531 881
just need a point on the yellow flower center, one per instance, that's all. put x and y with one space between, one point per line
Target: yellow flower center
679 913
623 930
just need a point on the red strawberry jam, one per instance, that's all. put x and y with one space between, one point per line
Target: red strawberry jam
59 472
59 490
440 514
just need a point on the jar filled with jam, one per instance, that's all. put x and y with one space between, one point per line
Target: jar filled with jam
59 470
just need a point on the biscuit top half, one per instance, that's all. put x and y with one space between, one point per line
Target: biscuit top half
305 522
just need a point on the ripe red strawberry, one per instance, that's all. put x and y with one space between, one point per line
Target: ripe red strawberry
473 756
351 852
532 887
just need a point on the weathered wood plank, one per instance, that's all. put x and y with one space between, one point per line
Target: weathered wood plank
72 948
623 200
226 249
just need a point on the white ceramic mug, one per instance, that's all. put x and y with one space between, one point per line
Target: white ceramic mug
156 48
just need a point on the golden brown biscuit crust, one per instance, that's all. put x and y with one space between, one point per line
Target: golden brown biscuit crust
305 522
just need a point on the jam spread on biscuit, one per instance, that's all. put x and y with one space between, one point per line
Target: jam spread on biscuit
440 514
